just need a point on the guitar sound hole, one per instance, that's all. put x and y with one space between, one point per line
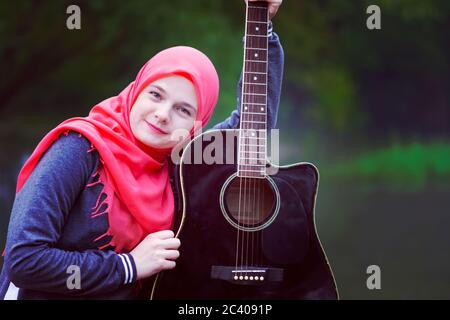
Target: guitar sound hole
249 203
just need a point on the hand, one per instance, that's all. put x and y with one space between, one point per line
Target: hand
274 5
155 253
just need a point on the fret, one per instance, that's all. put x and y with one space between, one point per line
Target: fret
263 49
248 60
255 87
262 22
254 164
256 138
261 175
263 145
254 90
259 171
257 113
245 158
253 145
252 173
259 104
258 147
261 142
251 167
261 152
255 7
254 83
254 130
256 35
255 72
254 121
257 94
254 114
252 133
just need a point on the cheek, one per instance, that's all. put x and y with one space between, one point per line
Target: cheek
133 118
185 124
136 114
140 109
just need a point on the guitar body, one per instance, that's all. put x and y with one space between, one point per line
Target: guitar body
226 252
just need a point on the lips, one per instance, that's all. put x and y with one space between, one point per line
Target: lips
155 129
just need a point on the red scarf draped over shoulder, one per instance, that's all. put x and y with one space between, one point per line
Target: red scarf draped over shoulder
135 176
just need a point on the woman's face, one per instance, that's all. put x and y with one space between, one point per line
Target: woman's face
166 105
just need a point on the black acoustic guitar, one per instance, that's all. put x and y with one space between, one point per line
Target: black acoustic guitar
246 226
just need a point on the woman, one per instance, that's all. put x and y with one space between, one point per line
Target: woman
94 203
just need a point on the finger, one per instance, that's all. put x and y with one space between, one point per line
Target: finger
171 254
172 243
168 264
163 234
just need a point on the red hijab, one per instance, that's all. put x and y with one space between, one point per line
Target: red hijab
135 176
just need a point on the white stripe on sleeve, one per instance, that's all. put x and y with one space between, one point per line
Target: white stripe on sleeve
125 266
127 258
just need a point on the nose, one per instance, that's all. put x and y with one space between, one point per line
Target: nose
162 114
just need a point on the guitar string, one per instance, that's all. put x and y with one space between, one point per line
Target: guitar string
251 132
266 120
255 182
260 183
246 189
252 180
245 129
240 147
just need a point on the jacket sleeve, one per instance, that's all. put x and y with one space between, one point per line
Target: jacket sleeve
274 83
40 209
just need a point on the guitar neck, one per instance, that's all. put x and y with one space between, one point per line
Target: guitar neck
253 122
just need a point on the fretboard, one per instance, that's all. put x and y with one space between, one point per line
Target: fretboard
253 122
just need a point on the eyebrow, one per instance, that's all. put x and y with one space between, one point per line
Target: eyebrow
164 91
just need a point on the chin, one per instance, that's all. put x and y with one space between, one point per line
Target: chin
154 144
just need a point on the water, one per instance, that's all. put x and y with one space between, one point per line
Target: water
405 233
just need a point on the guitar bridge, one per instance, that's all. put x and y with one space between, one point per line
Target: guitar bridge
247 275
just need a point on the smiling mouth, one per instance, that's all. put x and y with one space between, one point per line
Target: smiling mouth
155 129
